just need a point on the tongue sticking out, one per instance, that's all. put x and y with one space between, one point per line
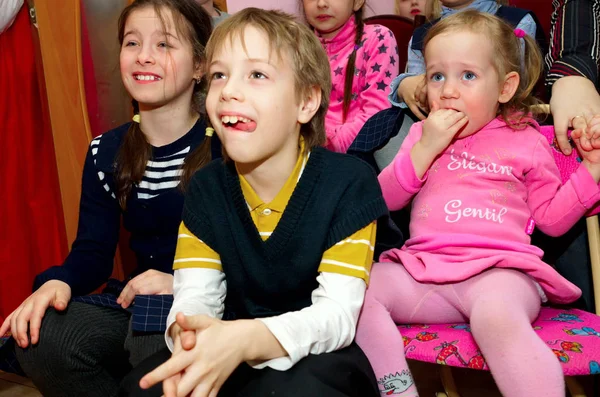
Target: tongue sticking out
247 127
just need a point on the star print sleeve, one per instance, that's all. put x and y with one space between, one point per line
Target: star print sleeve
556 208
381 65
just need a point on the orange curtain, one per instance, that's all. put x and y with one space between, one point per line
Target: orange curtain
32 232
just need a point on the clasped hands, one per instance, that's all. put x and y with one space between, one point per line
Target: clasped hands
205 352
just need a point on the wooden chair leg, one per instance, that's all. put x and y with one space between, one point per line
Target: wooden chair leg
594 241
575 388
448 381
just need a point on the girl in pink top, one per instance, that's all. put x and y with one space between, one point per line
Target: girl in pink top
363 59
480 176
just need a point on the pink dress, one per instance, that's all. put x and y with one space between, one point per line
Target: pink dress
478 204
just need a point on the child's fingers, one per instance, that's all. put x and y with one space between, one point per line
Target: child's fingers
6 324
594 121
176 364
460 123
188 339
170 386
594 127
452 117
583 144
21 324
35 322
576 134
201 392
586 142
213 393
197 322
194 379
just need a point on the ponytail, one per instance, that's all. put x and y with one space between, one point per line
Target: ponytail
517 111
133 155
351 65
197 159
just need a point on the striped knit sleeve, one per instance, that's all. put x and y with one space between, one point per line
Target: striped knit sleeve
94 146
574 40
191 252
352 256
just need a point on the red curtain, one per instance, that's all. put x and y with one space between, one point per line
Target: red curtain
32 234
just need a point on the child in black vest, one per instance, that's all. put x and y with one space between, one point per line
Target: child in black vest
407 90
278 239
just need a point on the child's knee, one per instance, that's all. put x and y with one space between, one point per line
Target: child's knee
499 320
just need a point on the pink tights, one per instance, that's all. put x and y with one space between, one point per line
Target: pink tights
500 305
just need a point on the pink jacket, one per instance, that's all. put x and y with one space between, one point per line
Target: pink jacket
476 207
376 66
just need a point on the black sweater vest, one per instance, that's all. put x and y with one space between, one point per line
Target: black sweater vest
336 196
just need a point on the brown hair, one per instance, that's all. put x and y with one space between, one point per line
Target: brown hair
306 56
351 65
506 47
194 25
433 8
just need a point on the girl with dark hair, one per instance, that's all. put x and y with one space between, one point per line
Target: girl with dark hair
71 344
362 58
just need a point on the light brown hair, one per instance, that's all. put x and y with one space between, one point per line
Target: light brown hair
351 64
294 40
506 47
193 25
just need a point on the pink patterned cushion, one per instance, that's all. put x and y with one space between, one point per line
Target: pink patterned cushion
573 335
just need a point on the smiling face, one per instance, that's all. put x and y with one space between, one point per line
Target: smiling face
410 8
157 63
252 101
461 76
328 16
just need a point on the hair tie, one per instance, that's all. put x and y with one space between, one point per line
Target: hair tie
356 47
209 131
136 118
520 33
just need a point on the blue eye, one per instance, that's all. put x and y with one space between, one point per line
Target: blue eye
257 75
469 76
217 76
437 77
